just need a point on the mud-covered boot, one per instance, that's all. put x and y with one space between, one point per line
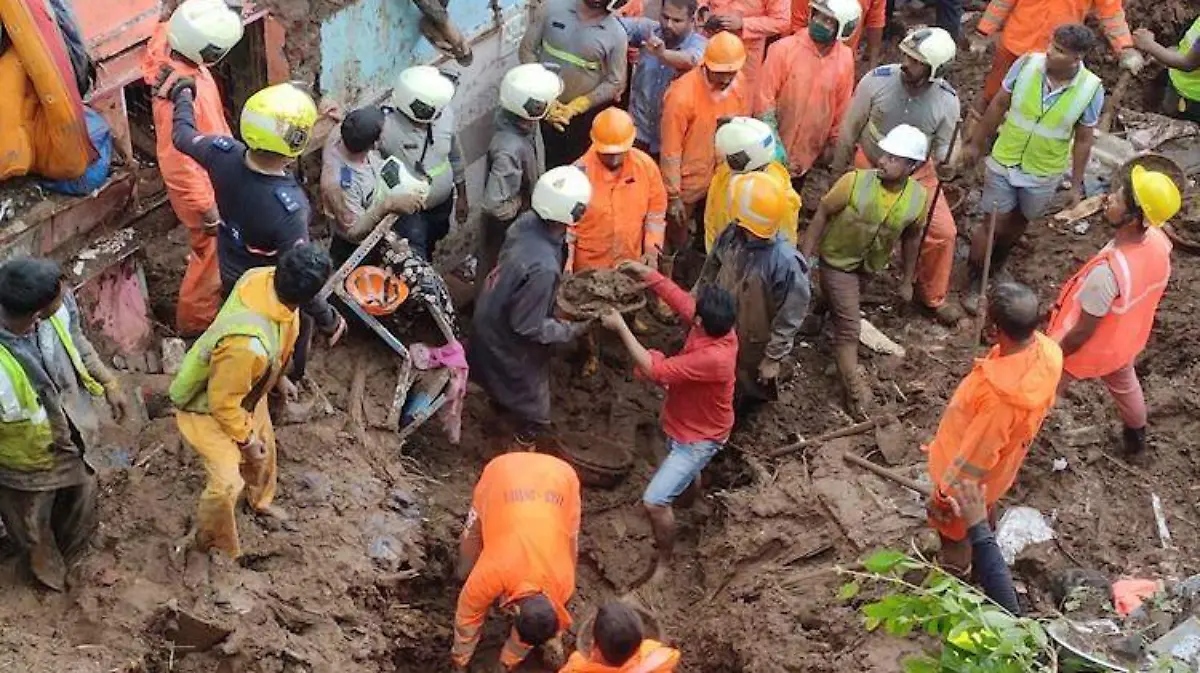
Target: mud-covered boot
1135 441
857 394
949 314
971 299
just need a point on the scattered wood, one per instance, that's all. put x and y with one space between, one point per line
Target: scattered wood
923 489
1160 520
872 338
856 429
358 388
1085 208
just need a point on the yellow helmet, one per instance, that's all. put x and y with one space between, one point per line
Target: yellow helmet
1156 194
758 202
279 119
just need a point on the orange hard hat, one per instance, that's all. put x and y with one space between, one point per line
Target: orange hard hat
725 53
759 203
613 131
376 290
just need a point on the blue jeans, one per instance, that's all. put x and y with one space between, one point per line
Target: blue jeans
681 467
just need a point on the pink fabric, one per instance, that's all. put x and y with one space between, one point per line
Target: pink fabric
1128 594
121 309
1126 391
453 357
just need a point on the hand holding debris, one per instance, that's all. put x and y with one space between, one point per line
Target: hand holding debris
969 504
1132 61
117 402
254 450
636 269
612 319
286 389
978 43
1143 38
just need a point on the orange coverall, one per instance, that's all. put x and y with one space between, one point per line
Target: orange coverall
691 109
990 422
188 187
652 657
874 15
528 508
760 20
626 217
806 93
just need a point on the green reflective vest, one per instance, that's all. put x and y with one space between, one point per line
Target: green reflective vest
189 389
863 234
1039 139
1188 83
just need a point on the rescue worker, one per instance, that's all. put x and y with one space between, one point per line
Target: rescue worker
993 416
754 22
807 84
699 380
51 378
518 553
620 646
419 129
516 156
1050 105
220 395
514 325
853 233
264 211
198 35
1029 27
874 20
1105 312
585 39
668 48
746 145
768 279
1182 97
691 110
350 172
913 92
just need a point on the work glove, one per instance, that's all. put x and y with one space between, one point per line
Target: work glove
560 116
1132 61
168 83
978 43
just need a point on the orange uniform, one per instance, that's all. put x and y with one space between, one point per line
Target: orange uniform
805 94
188 186
651 657
528 508
1028 25
691 109
874 15
760 20
990 422
626 217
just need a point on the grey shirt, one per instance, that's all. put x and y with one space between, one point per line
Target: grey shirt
592 55
347 185
881 103
515 160
435 146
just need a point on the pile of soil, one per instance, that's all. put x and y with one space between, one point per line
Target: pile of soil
588 294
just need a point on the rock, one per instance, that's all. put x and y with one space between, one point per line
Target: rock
173 350
314 488
192 633
136 363
153 363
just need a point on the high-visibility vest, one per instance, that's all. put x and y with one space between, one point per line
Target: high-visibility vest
863 234
1142 270
189 389
1188 83
25 431
1036 138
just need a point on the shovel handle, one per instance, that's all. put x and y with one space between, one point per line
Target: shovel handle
923 489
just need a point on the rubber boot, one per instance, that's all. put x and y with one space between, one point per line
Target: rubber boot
1135 441
857 394
971 299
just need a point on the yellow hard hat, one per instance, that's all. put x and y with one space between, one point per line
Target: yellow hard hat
279 119
758 202
1156 194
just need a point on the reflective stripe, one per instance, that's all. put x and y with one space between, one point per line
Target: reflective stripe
568 57
439 169
11 410
1124 274
874 131
61 321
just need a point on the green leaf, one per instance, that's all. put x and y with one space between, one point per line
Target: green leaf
849 591
883 561
921 664
872 623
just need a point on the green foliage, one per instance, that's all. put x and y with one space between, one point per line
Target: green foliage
976 635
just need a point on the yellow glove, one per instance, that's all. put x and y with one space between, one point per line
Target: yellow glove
560 115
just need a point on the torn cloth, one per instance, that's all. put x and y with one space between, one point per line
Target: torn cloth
453 357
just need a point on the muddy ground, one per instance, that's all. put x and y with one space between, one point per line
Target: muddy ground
361 580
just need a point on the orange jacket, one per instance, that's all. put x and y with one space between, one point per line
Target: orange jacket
806 94
1142 270
760 20
186 181
528 506
1029 24
627 214
689 122
651 657
874 15
991 420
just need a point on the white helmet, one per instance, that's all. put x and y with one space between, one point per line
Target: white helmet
527 90
203 31
422 92
931 46
746 144
562 195
907 142
847 13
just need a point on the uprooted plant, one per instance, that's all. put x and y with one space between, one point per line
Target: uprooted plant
976 634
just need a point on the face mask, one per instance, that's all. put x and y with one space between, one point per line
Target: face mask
820 33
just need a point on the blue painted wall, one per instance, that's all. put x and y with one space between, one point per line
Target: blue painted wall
366 44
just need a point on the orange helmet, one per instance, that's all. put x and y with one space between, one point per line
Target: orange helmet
376 290
725 53
613 131
759 203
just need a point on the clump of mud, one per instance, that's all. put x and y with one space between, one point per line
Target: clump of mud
589 294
